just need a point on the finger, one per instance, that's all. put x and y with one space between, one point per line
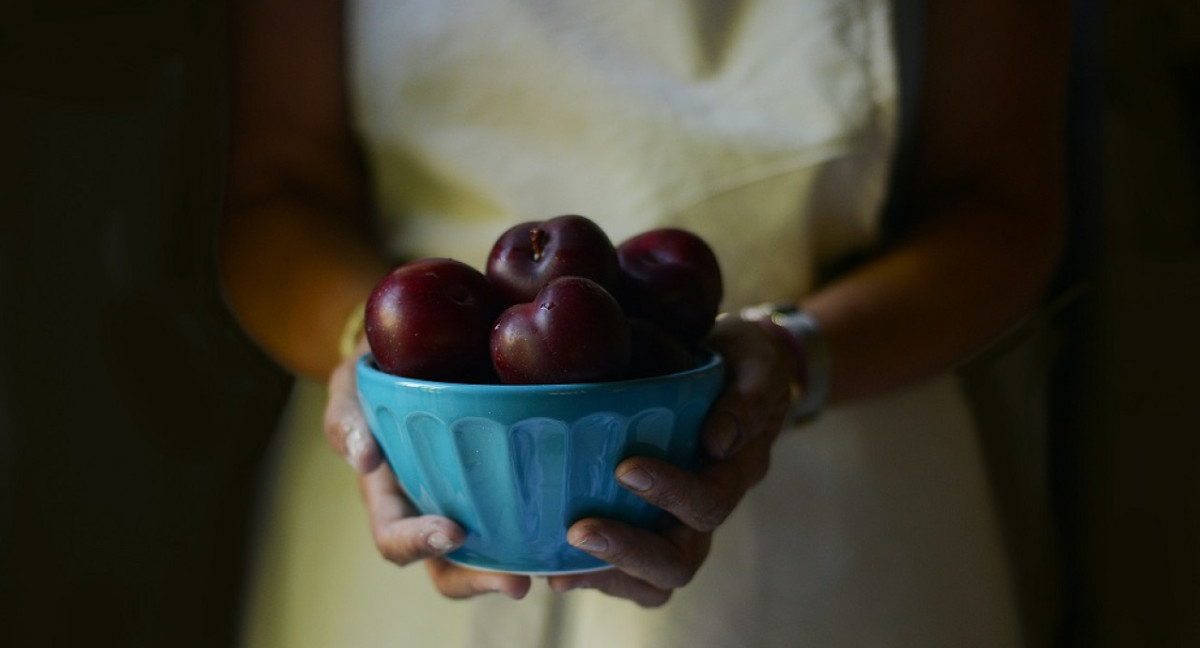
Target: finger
457 582
614 583
666 560
700 501
703 500
741 414
345 425
401 535
757 390
725 482
404 538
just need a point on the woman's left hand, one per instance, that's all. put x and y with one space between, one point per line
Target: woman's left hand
738 433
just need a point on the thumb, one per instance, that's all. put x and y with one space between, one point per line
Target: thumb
345 425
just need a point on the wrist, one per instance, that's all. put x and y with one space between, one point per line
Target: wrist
810 352
352 331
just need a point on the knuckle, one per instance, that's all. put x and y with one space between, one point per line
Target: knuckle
394 554
655 599
713 512
447 589
671 497
452 592
335 428
759 471
443 581
753 471
622 553
678 577
384 548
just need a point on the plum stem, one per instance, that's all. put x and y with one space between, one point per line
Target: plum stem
537 239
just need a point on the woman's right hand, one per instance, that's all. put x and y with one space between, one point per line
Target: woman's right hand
402 535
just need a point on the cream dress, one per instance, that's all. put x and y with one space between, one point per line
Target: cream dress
768 128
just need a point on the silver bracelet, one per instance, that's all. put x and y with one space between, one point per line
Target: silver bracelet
811 346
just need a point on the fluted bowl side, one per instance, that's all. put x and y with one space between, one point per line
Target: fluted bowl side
516 465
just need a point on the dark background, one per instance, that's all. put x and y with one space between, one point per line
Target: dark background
134 416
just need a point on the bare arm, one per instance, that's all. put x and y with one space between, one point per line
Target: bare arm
990 186
295 254
295 258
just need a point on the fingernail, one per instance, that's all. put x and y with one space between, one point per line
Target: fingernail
356 443
439 542
590 542
636 479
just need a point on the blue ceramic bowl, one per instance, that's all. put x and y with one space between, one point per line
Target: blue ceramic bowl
516 465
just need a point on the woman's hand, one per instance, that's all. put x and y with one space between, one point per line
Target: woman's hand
402 535
741 427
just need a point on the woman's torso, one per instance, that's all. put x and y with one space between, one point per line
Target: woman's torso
767 127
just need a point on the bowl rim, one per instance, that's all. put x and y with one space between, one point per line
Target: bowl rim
710 361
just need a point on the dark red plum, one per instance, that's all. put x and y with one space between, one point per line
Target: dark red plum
573 331
670 277
432 319
655 353
528 256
